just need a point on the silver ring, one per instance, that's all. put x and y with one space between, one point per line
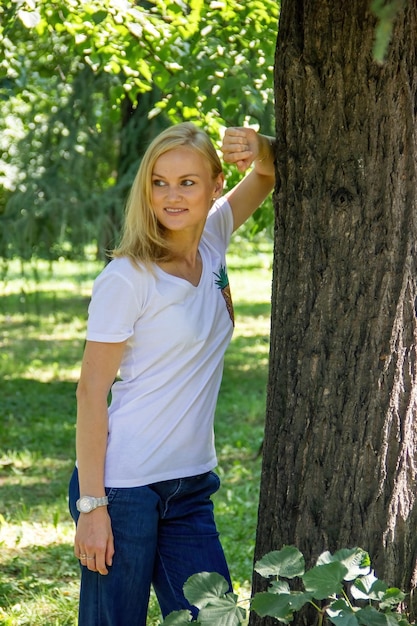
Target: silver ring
82 556
90 557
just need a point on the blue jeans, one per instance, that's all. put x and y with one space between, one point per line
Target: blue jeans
163 533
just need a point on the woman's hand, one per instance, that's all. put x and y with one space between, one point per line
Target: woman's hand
242 146
94 544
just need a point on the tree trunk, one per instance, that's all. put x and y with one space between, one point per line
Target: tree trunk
340 450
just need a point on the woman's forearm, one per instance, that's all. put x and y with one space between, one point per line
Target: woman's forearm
91 443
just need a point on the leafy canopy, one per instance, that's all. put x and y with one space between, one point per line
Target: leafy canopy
75 74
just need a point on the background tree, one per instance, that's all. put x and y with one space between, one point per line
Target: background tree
92 82
340 455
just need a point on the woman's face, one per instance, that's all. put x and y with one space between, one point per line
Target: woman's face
183 189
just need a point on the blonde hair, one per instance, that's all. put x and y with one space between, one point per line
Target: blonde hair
143 236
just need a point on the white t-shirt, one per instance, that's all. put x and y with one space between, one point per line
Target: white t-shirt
162 409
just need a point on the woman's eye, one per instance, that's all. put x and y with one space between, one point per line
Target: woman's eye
158 183
187 183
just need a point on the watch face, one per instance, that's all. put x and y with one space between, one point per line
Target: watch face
86 504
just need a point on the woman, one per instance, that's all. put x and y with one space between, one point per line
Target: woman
161 315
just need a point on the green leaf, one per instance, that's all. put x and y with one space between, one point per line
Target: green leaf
177 618
99 16
287 562
356 560
370 588
222 611
341 613
391 598
345 617
369 616
281 606
299 599
201 589
325 580
273 605
361 588
403 621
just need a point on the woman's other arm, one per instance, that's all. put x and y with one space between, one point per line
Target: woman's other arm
99 368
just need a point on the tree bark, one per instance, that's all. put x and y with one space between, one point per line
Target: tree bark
340 450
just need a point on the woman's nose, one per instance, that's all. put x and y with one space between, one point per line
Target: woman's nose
174 192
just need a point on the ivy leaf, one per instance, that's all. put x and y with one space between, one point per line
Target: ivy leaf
287 562
344 617
201 589
299 599
325 580
341 613
279 605
356 560
177 618
222 611
369 616
368 588
273 605
391 598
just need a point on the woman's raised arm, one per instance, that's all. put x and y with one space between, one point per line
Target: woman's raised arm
244 146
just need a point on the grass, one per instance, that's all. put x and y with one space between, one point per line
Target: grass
42 325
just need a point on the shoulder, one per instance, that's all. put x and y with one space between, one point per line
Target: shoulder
220 219
123 279
124 268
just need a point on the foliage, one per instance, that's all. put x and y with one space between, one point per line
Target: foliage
342 587
85 85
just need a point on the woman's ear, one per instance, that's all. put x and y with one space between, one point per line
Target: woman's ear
218 186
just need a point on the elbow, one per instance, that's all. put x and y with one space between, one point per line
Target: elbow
88 393
81 391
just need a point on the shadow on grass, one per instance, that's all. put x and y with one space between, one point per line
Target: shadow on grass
37 416
36 303
37 450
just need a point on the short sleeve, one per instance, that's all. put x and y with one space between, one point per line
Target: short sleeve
220 221
113 309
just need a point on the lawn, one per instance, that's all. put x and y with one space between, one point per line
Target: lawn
42 326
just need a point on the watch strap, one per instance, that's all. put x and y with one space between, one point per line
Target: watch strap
103 501
86 504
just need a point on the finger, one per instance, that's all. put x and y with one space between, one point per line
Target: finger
100 564
236 144
235 133
242 166
91 562
237 152
110 552
246 156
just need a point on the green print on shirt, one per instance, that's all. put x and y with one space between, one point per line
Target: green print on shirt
222 283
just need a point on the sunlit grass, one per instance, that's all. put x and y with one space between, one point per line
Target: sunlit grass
42 326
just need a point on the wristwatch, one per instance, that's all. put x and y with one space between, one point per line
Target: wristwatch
86 504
